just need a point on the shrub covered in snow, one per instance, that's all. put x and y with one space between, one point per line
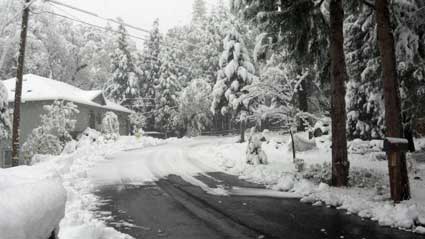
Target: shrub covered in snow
53 133
254 153
110 125
137 121
359 177
4 116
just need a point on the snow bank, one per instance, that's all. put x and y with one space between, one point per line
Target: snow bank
369 198
30 207
91 150
34 199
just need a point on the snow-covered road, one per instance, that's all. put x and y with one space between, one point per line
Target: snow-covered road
182 158
174 190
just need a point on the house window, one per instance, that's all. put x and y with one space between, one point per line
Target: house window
7 158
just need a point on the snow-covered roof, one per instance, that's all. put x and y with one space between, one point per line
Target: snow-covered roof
37 88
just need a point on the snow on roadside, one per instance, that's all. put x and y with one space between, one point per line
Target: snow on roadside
80 221
41 190
368 200
32 202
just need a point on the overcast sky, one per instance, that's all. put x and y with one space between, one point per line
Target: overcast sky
140 13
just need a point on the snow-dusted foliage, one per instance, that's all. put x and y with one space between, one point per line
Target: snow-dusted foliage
364 97
54 131
173 76
272 96
364 90
124 81
5 125
194 103
58 48
149 66
236 71
137 121
199 11
359 177
254 153
110 125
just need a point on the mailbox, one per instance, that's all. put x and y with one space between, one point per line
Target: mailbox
396 145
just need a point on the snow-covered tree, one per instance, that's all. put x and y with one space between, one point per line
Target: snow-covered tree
5 126
137 121
236 71
199 11
296 30
273 98
54 131
124 82
149 72
110 125
364 90
194 104
167 89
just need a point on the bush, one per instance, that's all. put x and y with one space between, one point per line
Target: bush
110 126
254 152
358 177
137 121
53 133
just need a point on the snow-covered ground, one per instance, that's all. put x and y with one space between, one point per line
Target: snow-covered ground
86 165
368 196
32 198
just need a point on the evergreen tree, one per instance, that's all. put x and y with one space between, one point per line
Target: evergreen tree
5 126
199 11
364 94
167 88
298 31
149 72
124 82
236 72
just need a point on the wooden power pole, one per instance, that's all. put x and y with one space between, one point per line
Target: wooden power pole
18 88
399 180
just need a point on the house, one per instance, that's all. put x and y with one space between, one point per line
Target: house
38 91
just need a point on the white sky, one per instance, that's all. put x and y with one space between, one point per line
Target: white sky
140 13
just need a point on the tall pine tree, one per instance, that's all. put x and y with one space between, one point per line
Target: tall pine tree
124 82
236 72
149 71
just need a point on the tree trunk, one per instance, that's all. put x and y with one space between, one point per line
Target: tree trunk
340 164
303 104
18 87
399 180
242 125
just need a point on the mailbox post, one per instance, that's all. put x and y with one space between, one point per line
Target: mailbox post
399 179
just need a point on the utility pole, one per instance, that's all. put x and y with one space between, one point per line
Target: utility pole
18 88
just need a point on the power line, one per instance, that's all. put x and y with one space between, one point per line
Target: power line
89 24
53 2
97 15
111 30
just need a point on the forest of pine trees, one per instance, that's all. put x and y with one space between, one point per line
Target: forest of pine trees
230 48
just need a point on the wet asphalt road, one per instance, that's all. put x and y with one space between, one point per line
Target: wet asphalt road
173 208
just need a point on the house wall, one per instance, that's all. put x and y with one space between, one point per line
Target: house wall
31 118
